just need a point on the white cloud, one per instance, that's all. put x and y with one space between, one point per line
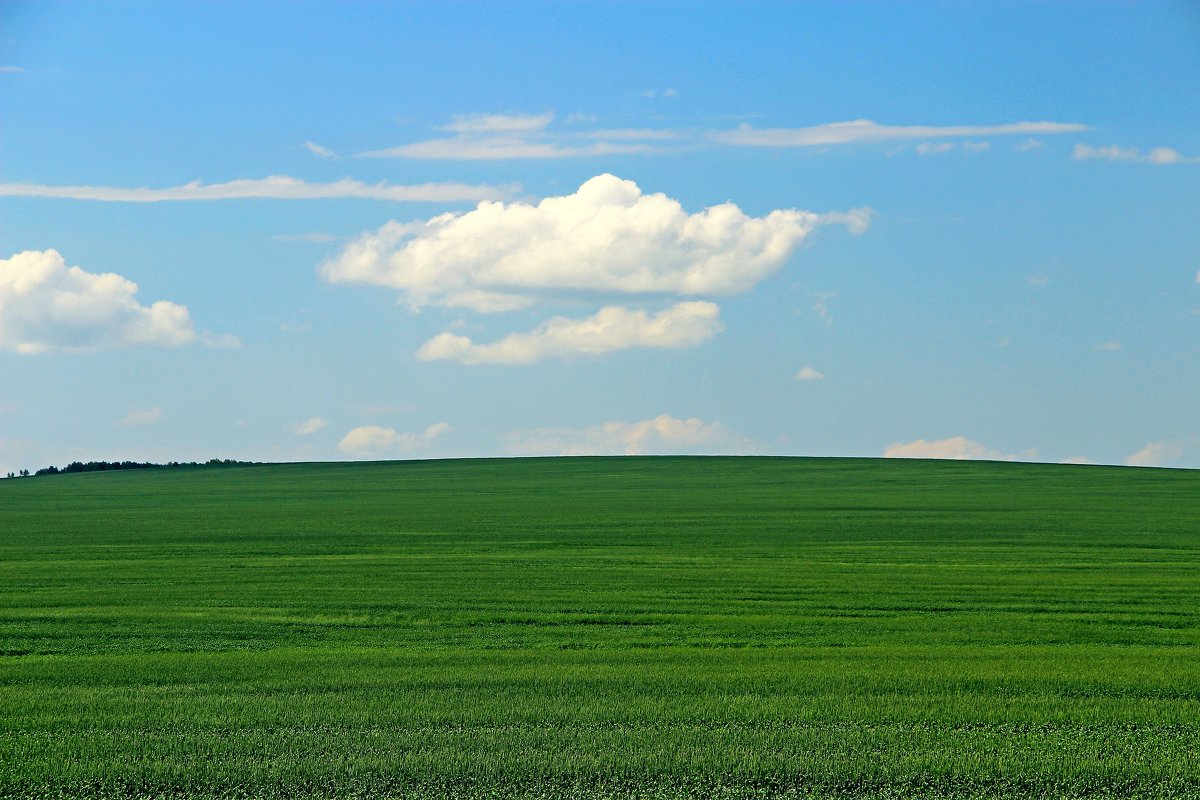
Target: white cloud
606 237
809 374
372 440
958 448
1076 460
47 306
1109 347
309 426
977 147
141 416
318 150
663 435
1038 281
611 328
1159 155
1029 146
275 187
1198 277
1155 454
11 69
863 130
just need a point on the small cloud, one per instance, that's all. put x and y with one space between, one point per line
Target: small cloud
221 340
309 426
1076 460
933 148
1109 347
670 92
977 147
1004 341
1198 277
314 236
141 416
611 328
1155 454
809 374
1028 146
958 448
374 441
662 435
576 118
1159 156
821 306
318 150
11 70
1038 280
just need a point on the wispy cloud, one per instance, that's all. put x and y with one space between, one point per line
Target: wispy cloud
533 136
220 340
141 416
276 187
318 237
496 137
318 150
1160 156
1109 347
309 426
863 130
11 70
663 434
611 328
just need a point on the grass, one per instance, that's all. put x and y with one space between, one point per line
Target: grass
602 628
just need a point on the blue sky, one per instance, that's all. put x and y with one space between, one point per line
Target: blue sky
316 231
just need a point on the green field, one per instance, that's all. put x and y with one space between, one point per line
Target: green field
602 627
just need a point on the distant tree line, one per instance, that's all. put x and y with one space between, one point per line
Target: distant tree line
108 466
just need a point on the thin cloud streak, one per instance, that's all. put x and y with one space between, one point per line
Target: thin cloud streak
864 130
275 187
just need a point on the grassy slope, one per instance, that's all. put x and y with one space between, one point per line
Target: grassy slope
602 627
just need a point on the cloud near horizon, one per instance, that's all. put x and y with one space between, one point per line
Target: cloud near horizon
663 435
611 328
606 237
1155 454
958 448
275 187
46 306
375 441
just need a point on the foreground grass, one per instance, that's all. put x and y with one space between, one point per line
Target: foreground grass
602 628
